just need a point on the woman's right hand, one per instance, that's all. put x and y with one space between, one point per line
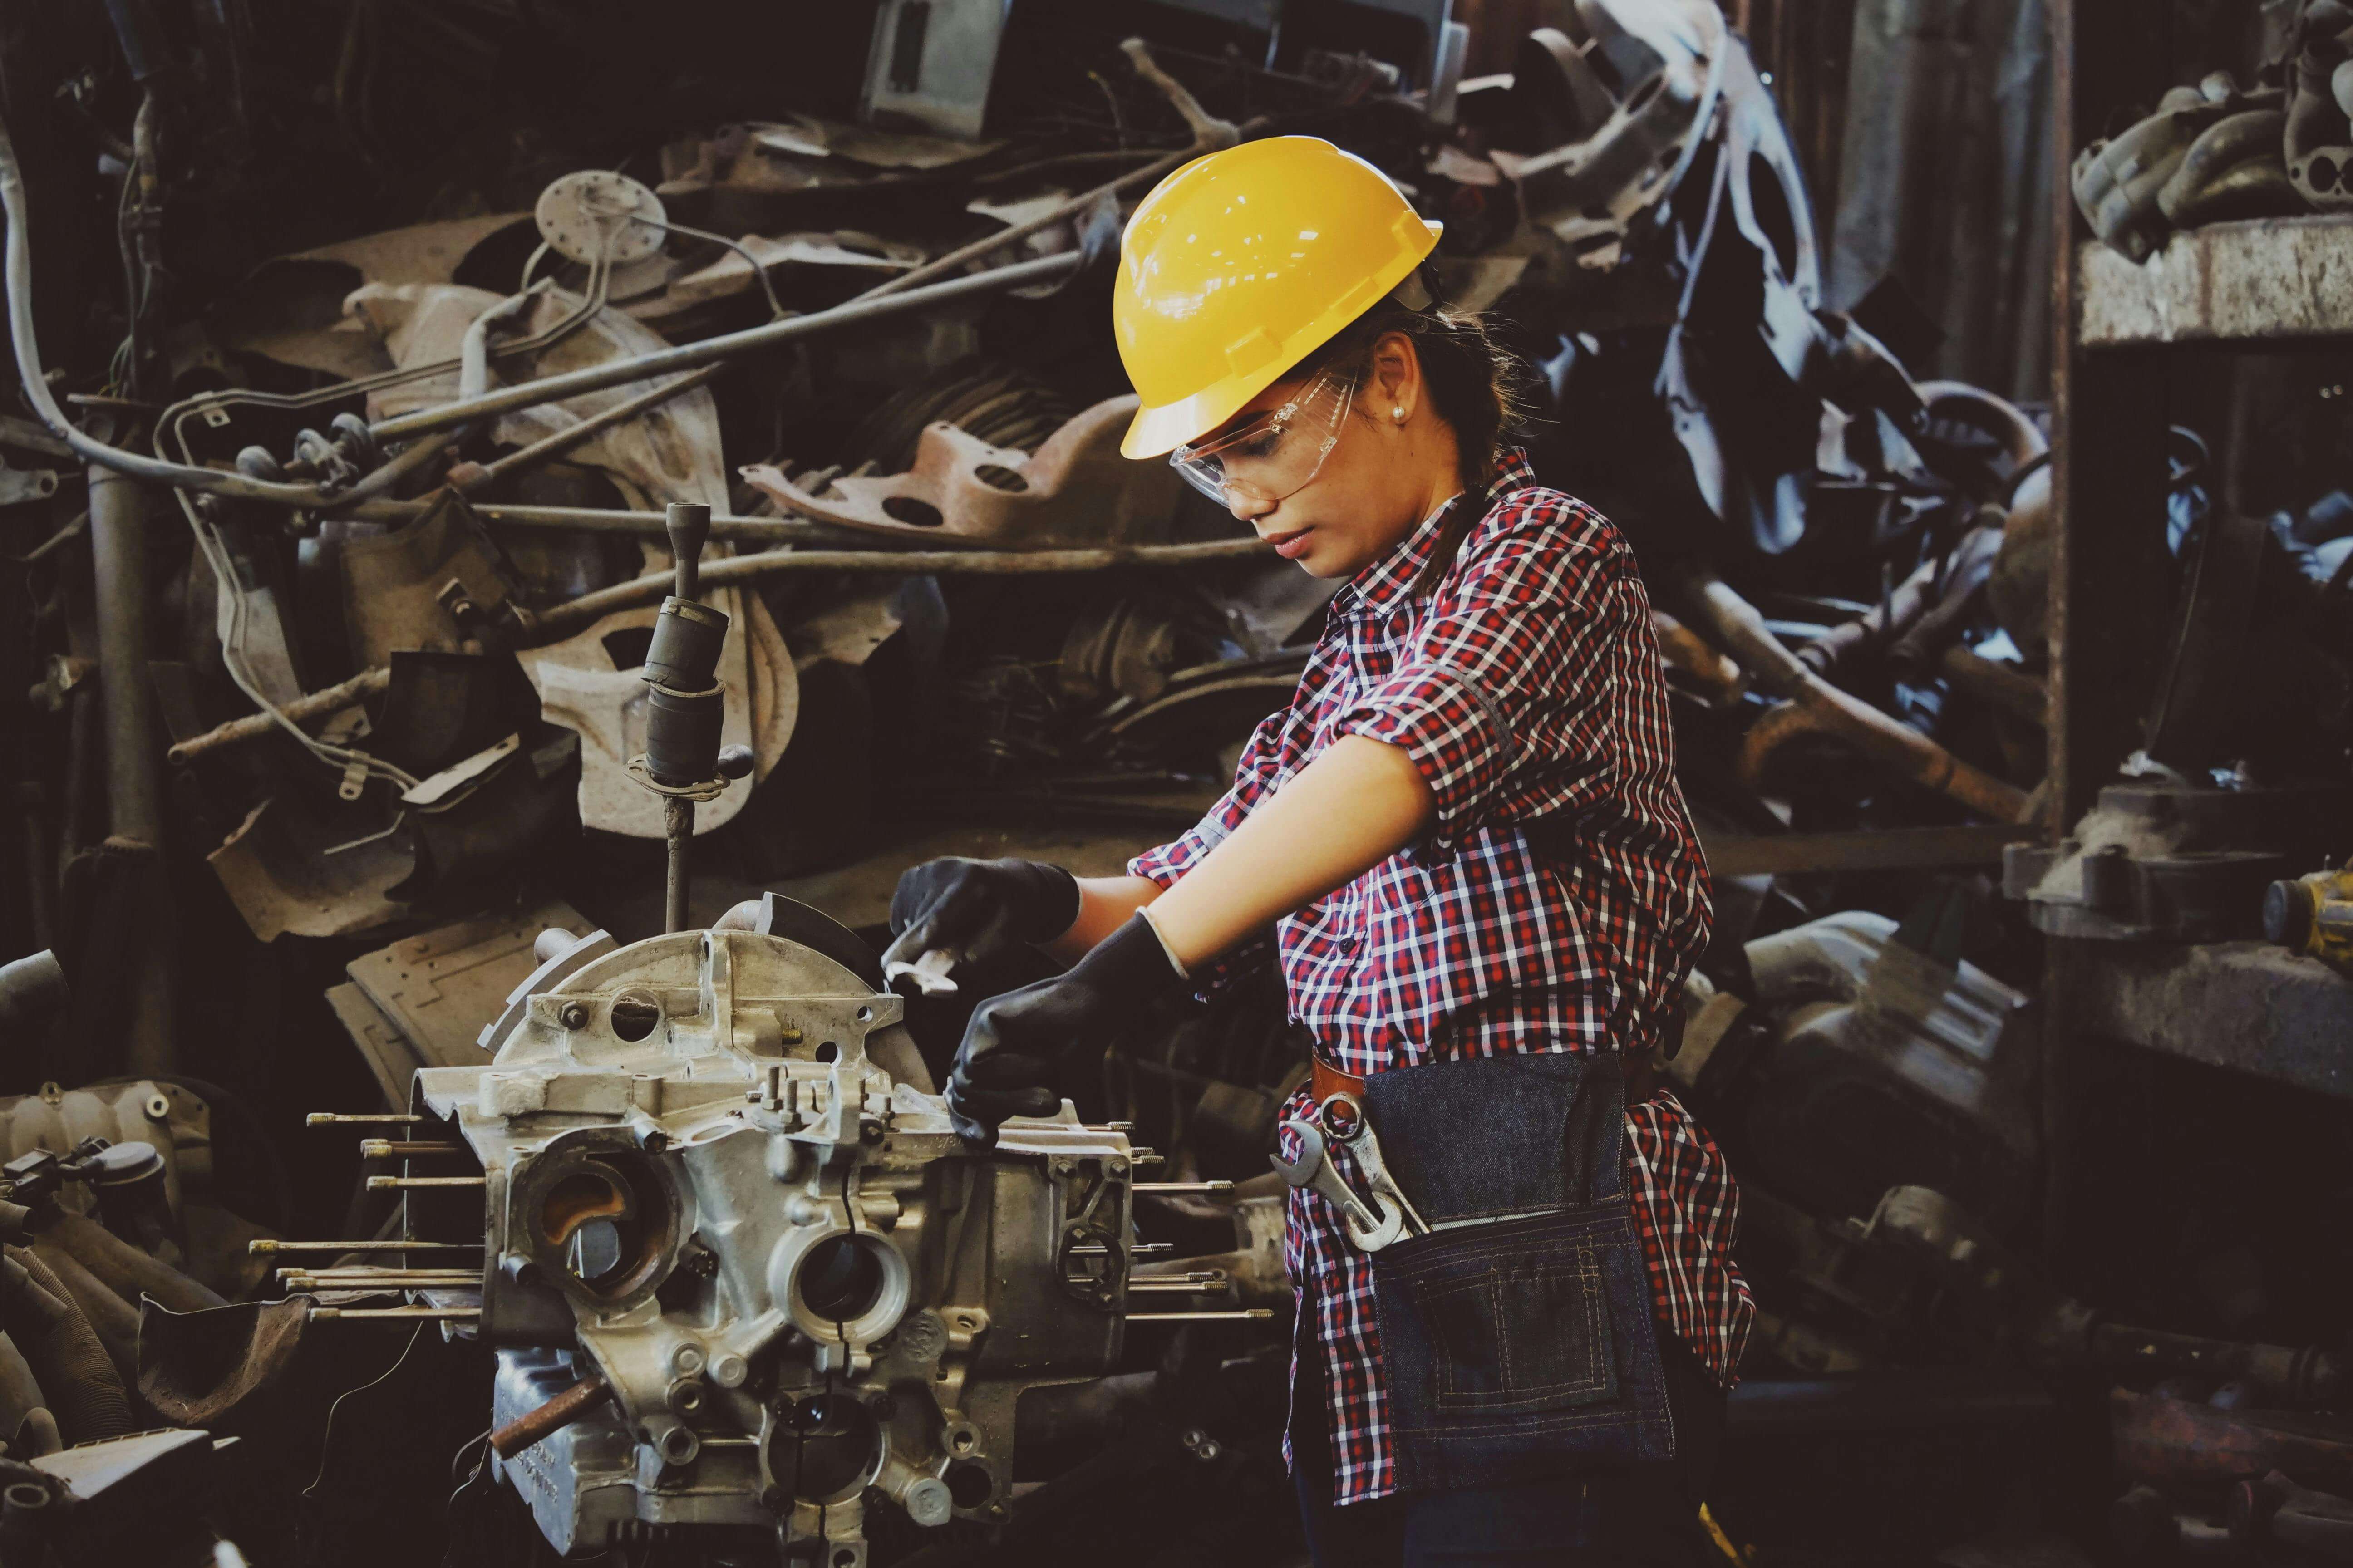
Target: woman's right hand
979 911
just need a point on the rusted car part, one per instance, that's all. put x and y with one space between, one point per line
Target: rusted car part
1854 1009
2203 155
1075 490
2232 171
1612 112
1812 705
2318 139
2161 860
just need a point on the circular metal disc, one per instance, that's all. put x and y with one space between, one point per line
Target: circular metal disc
578 216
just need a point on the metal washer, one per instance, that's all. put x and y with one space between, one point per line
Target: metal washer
577 214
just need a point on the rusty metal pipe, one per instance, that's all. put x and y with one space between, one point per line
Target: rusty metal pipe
1812 705
553 1417
253 726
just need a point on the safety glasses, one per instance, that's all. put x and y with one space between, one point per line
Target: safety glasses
1272 454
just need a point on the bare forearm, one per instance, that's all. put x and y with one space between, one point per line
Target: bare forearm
1104 905
1349 809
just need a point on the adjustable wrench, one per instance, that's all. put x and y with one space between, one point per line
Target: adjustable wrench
1368 1230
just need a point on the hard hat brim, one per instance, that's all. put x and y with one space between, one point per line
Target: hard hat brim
1157 431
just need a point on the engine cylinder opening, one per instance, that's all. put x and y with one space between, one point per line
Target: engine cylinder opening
825 1446
603 1224
969 1484
635 1015
840 1280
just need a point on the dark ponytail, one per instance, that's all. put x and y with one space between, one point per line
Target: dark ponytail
1477 384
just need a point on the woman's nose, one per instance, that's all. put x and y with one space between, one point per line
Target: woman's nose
1248 508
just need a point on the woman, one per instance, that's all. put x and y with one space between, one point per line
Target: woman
1467 835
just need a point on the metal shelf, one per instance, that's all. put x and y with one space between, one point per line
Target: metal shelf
2267 280
2244 1005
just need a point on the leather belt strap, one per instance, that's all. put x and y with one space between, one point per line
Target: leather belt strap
1326 1081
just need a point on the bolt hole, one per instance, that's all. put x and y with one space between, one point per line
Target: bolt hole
961 1442
845 1560
866 1014
970 1485
634 1017
908 509
828 1052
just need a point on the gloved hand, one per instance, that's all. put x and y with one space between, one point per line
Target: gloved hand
978 910
1023 1049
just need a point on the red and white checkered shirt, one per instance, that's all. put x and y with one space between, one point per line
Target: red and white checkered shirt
1527 686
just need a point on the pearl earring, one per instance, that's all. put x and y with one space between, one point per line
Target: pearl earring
1398 415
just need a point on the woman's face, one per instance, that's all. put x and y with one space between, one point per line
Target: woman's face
1391 462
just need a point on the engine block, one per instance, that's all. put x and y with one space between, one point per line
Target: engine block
806 1296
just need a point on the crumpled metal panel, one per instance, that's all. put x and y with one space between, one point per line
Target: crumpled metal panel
669 453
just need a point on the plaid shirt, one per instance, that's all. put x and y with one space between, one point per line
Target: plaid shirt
1527 686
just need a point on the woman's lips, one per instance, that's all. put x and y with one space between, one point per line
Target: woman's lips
1289 546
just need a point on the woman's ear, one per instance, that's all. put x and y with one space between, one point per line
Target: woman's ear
1394 387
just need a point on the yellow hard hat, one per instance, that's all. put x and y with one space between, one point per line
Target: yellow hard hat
1241 263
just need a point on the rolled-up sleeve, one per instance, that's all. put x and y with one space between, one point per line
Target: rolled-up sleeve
1254 775
1502 686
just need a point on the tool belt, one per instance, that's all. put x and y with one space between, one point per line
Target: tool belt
1515 1317
1640 1079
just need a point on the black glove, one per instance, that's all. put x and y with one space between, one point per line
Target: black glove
1021 1049
978 910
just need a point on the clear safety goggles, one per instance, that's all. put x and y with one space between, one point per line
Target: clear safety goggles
1275 454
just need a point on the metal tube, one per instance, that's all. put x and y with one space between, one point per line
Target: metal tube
118 548
337 1118
1183 1187
390 1148
263 1248
678 835
406 1314
555 1415
1244 1314
548 447
562 620
728 345
601 520
134 788
401 1183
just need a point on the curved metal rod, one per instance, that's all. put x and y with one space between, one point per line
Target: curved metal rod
1997 416
1812 705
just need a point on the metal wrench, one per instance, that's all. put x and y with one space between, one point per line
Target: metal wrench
1367 1230
1365 1148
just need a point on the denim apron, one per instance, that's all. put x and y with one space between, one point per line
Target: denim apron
1517 1335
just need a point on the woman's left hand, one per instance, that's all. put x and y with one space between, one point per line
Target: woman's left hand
1023 1049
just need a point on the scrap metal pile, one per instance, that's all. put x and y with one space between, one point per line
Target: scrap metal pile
346 582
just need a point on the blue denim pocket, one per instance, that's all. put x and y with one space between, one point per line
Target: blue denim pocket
1517 1347
1481 1308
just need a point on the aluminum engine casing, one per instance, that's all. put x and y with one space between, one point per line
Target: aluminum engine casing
807 1295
